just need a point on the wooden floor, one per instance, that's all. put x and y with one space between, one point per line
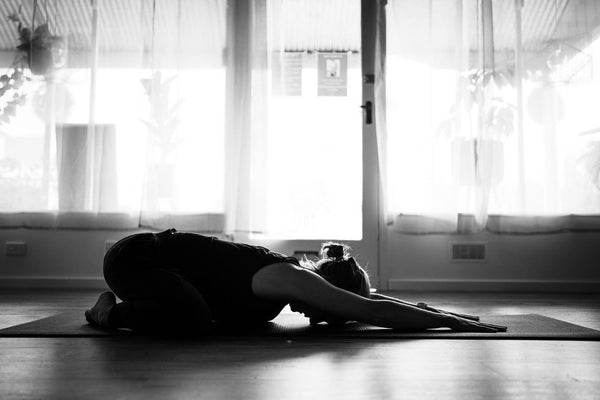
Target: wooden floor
275 368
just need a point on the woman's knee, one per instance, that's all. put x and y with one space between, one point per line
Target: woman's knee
133 251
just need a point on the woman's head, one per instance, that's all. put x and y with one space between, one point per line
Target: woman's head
337 267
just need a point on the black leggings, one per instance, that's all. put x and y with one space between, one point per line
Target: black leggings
156 299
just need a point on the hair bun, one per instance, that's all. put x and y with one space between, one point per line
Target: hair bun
334 250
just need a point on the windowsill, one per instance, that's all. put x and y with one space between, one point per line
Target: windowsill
111 221
499 224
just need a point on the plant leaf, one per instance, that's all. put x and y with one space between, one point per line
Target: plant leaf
42 31
10 109
14 17
147 84
22 99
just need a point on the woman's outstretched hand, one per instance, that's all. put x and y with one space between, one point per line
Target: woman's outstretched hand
455 321
467 325
465 316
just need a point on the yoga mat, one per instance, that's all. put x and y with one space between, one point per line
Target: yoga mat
523 327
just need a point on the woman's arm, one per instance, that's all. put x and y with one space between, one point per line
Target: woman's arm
378 296
290 283
425 306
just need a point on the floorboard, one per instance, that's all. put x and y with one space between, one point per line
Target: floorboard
275 368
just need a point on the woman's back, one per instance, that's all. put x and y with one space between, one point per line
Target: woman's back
222 272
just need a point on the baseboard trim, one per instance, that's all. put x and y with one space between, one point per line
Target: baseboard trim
450 285
52 283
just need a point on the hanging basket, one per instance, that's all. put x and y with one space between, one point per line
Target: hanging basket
44 56
40 59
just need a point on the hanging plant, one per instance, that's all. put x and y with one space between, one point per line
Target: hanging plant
11 93
39 53
39 49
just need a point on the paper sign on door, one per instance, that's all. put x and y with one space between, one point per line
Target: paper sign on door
287 74
333 74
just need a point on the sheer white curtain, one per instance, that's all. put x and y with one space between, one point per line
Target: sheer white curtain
125 128
489 120
294 166
246 116
165 113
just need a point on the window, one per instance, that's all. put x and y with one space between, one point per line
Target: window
129 120
165 112
489 110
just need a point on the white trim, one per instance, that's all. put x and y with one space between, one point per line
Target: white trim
368 246
493 285
46 282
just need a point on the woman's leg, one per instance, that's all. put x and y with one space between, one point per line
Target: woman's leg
156 299
160 301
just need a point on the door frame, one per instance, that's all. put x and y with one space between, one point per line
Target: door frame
366 250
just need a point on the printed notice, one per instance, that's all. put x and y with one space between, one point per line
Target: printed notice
287 74
333 74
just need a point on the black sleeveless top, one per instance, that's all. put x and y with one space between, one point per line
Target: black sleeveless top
222 272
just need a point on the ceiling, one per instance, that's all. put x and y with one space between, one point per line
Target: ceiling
123 25
308 24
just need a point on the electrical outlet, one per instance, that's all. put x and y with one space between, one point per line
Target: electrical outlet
108 244
15 249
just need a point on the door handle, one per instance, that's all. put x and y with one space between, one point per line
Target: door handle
368 110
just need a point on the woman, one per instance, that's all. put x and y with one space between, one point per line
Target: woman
179 283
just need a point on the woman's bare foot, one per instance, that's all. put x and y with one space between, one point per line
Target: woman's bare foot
98 314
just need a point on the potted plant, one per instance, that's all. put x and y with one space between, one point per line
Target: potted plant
478 134
589 160
39 53
162 127
39 49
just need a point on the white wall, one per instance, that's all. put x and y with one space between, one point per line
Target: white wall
554 262
65 258
557 262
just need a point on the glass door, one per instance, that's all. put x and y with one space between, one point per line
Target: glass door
319 149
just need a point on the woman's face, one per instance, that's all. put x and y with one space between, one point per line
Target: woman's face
314 315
